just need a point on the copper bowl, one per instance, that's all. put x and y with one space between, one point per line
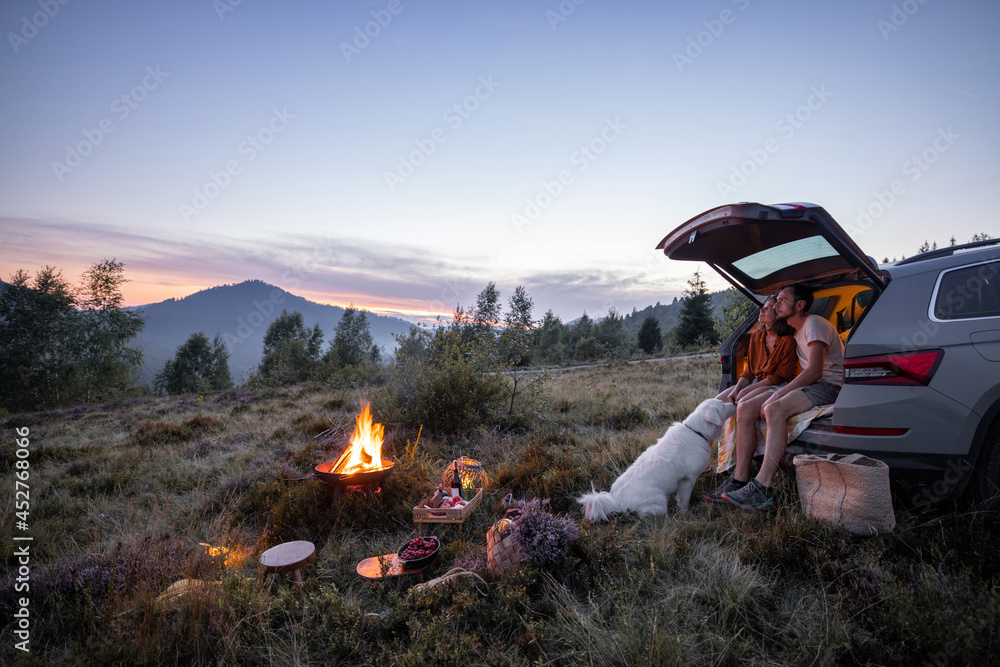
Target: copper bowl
356 479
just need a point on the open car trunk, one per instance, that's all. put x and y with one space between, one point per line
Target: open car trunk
761 248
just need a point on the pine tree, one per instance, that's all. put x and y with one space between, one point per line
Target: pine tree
650 336
694 322
547 340
610 333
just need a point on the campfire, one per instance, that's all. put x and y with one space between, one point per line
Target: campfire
361 463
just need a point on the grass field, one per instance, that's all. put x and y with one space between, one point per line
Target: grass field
122 495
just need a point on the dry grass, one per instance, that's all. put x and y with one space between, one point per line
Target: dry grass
122 495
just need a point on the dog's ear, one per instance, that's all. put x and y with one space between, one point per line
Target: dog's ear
715 412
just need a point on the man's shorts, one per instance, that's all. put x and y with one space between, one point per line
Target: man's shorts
821 393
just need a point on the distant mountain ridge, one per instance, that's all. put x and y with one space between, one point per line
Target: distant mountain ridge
667 314
241 314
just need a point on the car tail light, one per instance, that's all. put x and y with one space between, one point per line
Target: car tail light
904 368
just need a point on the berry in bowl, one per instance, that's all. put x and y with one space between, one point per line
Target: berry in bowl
419 552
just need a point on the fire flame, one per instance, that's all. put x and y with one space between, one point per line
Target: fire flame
234 557
214 551
365 452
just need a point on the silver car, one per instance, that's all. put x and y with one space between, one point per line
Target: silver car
922 335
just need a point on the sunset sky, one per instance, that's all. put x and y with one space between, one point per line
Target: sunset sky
400 154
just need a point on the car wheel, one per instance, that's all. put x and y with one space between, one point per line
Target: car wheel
987 488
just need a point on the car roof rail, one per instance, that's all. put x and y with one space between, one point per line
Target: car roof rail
944 252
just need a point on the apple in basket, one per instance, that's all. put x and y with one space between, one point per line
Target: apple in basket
419 551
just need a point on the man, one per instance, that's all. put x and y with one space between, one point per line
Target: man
821 358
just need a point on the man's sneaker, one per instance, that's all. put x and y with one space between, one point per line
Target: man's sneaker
753 496
731 484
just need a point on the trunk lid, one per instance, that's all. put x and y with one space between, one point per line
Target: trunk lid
761 248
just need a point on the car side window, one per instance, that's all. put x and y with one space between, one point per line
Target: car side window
970 292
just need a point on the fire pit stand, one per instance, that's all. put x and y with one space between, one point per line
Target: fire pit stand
338 481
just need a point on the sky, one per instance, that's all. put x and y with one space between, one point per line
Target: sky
398 155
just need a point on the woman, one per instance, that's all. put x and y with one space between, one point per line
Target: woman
771 360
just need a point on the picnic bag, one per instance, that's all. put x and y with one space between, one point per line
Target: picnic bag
503 551
850 491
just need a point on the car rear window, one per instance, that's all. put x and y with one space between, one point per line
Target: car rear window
968 293
766 262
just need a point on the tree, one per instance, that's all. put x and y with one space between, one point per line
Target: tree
515 340
547 341
694 322
197 367
291 352
516 335
736 308
610 333
352 343
484 316
650 336
37 320
587 348
107 366
58 345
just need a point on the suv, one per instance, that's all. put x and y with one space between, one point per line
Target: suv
922 339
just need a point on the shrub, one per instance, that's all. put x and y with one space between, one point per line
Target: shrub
449 391
544 539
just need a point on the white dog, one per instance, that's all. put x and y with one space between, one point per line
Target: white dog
670 466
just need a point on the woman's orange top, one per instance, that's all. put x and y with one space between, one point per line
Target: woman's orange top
778 366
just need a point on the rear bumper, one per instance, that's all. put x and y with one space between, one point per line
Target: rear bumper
933 475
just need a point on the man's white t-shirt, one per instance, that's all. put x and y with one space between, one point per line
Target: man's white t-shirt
817 328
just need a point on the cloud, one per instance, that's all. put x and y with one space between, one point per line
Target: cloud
387 277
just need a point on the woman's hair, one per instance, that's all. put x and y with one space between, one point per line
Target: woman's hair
780 327
783 328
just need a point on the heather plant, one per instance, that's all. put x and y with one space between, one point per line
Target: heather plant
544 539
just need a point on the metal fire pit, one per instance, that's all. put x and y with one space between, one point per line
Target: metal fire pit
338 481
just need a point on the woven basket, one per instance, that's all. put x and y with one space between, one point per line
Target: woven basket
849 491
503 552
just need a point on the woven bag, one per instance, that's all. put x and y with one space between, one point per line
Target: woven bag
503 552
850 491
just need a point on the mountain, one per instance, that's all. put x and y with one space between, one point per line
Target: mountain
667 314
240 314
